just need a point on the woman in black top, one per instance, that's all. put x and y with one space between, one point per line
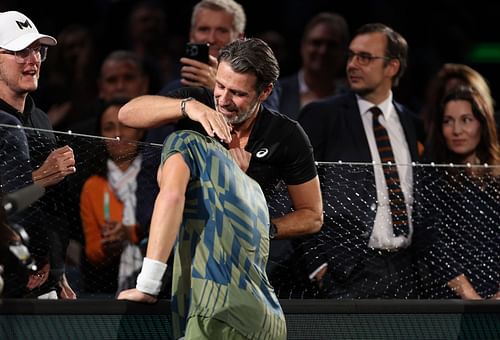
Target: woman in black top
458 208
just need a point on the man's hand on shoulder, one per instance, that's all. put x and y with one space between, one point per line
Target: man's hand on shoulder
213 122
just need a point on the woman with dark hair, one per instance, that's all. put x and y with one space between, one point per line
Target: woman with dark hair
458 206
108 202
448 77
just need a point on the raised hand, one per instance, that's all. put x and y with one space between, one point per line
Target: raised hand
195 73
59 164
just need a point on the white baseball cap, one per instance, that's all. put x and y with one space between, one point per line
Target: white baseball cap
17 32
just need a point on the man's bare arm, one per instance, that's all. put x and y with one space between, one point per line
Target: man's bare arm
153 111
307 217
173 178
463 288
150 111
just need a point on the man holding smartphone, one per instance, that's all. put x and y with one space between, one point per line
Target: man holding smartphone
216 23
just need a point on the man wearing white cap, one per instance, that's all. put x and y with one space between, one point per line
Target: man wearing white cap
22 51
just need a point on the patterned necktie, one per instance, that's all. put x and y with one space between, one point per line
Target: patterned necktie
396 197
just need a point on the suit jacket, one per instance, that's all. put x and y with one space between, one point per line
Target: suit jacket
289 97
336 131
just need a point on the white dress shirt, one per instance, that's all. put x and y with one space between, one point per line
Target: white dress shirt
382 233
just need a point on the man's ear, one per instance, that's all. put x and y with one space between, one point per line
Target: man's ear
266 92
393 67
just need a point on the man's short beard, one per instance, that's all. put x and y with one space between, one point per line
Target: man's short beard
241 118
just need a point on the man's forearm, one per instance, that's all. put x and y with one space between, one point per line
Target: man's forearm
150 111
298 223
463 288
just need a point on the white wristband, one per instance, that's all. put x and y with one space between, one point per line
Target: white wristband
149 280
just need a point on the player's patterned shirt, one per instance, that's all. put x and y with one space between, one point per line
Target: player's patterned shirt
223 244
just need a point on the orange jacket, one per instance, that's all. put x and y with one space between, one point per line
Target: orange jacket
92 215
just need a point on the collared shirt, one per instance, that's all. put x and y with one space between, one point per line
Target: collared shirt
382 233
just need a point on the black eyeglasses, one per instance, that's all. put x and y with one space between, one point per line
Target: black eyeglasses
39 52
363 57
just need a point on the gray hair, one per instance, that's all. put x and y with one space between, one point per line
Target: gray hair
254 56
229 6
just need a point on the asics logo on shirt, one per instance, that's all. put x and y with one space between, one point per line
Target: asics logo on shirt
262 153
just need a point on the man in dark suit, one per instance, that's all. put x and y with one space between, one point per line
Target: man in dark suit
360 253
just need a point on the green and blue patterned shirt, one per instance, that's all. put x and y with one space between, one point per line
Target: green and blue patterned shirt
223 244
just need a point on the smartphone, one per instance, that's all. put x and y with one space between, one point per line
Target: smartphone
197 52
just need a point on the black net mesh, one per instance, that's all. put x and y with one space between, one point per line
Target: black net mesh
455 226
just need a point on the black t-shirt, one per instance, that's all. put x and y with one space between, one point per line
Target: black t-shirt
45 220
279 146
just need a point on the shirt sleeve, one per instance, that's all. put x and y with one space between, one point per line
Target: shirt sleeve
299 166
15 166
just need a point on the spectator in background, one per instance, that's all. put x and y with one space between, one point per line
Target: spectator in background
216 22
323 49
108 204
22 51
448 77
362 251
213 22
69 86
122 75
457 211
149 40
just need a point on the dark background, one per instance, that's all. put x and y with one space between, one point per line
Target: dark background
437 32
